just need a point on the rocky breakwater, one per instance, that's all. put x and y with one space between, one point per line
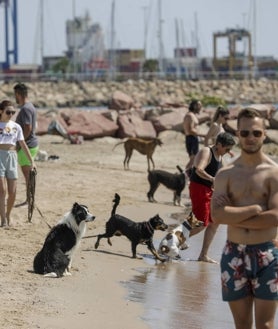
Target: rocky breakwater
123 120
147 93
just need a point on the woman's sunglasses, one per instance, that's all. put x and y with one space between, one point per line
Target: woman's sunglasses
10 112
246 133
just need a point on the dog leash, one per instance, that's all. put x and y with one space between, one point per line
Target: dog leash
42 216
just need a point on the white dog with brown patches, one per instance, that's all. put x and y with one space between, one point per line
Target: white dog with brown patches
178 238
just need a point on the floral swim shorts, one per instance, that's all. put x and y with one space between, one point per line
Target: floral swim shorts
249 270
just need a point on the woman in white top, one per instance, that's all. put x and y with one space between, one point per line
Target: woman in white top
10 134
220 117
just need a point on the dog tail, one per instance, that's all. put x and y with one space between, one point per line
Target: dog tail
117 145
116 203
179 169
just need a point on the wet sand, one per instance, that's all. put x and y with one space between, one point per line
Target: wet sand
184 292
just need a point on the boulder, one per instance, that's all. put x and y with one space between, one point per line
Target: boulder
266 110
272 136
42 124
273 121
121 101
91 125
131 125
170 121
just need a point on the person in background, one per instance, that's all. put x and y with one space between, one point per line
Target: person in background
10 134
190 126
245 199
206 164
220 117
26 118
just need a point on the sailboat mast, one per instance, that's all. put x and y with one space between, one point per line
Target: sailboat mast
255 37
178 48
112 41
42 34
160 43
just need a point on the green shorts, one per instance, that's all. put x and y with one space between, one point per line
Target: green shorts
22 157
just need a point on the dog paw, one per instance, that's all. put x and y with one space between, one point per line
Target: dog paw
51 275
67 273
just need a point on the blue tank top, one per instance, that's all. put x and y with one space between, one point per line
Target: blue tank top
211 169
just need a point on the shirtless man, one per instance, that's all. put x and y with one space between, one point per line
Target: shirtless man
190 125
245 199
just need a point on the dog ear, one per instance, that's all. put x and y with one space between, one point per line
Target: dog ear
75 205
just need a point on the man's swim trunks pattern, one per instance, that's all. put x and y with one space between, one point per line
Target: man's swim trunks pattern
249 270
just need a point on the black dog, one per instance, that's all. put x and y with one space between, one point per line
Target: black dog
174 182
136 232
54 259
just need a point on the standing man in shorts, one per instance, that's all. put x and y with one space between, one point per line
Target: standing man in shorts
245 199
206 164
26 118
190 126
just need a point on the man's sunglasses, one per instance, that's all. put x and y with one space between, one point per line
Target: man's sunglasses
10 112
246 133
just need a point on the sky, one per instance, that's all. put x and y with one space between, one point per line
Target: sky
136 24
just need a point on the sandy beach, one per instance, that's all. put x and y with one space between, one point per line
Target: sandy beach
89 173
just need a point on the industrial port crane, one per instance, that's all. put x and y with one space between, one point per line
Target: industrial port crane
11 35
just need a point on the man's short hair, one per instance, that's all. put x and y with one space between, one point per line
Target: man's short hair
225 139
21 89
193 104
248 112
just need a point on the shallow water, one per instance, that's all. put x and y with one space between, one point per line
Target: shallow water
183 294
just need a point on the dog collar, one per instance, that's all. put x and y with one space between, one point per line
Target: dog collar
149 227
186 225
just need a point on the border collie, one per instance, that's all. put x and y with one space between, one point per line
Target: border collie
55 257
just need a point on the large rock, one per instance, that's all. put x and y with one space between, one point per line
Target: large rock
273 121
272 136
90 124
266 110
131 125
42 125
121 101
170 121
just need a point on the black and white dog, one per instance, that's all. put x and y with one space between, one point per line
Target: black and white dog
174 182
141 232
55 257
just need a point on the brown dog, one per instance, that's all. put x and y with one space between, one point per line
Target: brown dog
146 147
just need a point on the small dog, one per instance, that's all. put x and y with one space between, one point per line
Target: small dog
174 182
145 147
141 232
178 238
55 257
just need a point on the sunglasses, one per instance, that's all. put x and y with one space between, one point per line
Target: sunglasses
10 112
246 133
